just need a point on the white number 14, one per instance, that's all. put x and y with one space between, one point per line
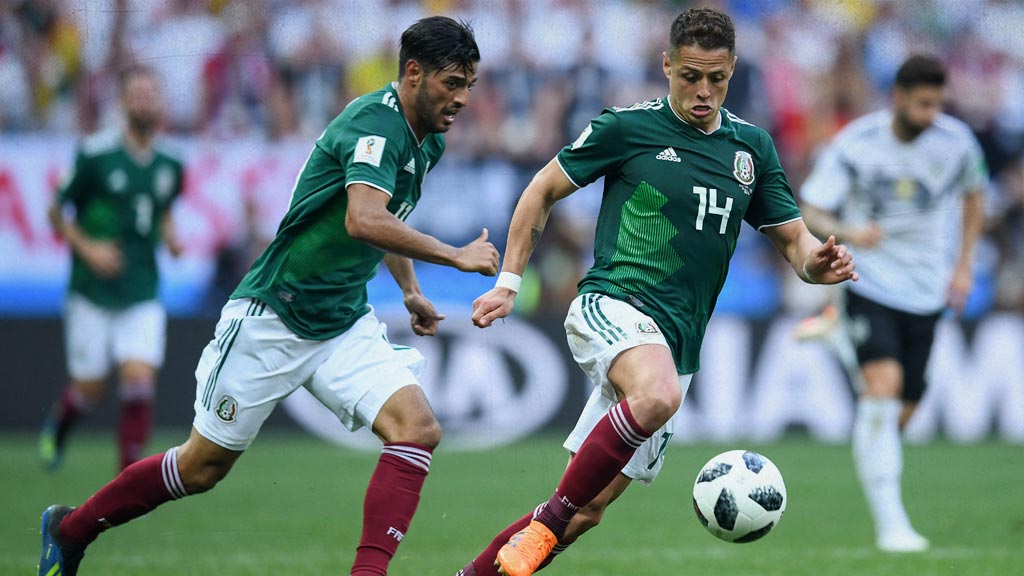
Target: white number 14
709 203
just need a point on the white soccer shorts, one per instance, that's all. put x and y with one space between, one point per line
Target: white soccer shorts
598 329
254 361
97 338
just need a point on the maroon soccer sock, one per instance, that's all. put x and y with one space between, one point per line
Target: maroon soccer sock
71 406
391 500
137 490
136 423
483 564
606 450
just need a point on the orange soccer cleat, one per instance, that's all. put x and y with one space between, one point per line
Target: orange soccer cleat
526 550
818 327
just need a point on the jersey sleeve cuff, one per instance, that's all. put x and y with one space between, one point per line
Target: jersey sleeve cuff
774 224
566 172
371 185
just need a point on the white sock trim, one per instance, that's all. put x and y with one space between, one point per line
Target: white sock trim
415 456
622 427
540 508
172 479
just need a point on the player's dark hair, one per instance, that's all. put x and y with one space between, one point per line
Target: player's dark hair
707 28
438 43
921 70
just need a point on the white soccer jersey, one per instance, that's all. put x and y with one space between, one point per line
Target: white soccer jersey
913 191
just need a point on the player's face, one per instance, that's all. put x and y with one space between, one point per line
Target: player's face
143 104
698 81
441 96
916 108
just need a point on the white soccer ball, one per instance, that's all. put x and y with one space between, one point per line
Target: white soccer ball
739 496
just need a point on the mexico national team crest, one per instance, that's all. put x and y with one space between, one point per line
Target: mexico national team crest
227 408
646 327
743 168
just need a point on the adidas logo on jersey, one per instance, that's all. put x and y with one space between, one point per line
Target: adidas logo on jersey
669 154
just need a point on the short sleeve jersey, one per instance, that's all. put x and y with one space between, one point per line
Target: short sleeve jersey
121 197
313 273
912 190
674 198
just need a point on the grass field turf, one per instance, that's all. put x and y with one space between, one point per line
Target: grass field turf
293 506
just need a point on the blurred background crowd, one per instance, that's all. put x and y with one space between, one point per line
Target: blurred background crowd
277 71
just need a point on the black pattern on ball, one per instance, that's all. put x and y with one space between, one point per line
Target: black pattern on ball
700 515
712 472
726 510
755 535
754 461
767 497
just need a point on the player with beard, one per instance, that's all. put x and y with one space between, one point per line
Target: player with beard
890 185
120 193
300 317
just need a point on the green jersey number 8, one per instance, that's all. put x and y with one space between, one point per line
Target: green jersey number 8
143 215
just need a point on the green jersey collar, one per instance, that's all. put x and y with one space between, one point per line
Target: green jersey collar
668 99
398 102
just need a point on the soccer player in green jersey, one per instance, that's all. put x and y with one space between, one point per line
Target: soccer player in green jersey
121 191
681 174
300 317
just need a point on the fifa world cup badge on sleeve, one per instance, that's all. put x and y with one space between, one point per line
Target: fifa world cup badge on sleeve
369 150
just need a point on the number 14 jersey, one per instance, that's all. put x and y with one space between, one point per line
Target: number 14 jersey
674 197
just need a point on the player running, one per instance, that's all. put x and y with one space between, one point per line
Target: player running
890 184
300 317
681 174
120 191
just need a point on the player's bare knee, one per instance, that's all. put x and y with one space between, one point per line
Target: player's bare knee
414 426
424 432
91 391
134 373
202 464
204 479
656 406
202 474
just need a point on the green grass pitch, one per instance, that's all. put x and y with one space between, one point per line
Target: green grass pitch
293 506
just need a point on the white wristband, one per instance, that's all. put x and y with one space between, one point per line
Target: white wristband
509 280
807 276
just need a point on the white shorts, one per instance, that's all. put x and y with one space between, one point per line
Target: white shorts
254 361
598 329
96 338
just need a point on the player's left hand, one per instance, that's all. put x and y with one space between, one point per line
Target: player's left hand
423 318
494 304
830 263
960 288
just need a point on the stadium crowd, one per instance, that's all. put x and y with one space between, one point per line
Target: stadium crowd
279 70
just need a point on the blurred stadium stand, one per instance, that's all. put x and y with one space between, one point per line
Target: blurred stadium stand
251 83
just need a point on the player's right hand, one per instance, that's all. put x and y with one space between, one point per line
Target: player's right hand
496 303
102 257
478 256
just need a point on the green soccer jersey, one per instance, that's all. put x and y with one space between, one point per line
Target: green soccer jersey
123 198
313 274
674 197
